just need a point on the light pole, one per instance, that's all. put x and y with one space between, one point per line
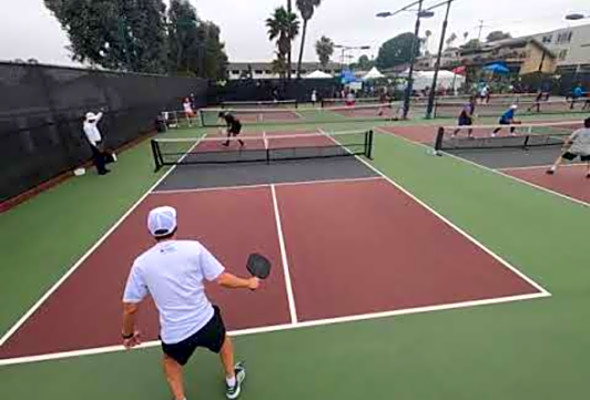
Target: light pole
345 48
419 14
432 93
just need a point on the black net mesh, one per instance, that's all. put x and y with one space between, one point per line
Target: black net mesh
42 110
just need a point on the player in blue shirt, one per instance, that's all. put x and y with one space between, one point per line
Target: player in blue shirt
578 93
507 119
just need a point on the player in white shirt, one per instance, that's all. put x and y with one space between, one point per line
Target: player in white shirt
577 145
172 272
95 140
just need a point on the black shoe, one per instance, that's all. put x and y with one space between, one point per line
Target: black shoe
550 172
106 171
232 392
226 144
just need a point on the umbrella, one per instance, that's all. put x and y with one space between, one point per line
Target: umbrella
461 70
496 68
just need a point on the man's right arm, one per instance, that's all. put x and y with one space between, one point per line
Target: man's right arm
231 281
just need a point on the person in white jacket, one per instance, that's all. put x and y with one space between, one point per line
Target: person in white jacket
95 140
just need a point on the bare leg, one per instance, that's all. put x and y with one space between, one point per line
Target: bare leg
173 371
556 165
588 169
227 357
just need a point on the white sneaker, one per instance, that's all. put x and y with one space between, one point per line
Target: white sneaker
232 392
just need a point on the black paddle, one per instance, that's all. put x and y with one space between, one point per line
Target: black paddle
258 266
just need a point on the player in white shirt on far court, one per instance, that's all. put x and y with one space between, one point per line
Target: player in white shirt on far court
172 272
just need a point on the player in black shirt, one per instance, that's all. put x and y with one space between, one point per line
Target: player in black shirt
234 127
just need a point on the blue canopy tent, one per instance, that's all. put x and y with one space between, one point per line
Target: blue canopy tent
496 68
347 77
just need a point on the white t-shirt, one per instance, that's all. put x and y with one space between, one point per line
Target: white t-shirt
91 130
581 142
172 272
187 107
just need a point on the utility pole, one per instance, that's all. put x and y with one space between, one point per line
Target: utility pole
289 8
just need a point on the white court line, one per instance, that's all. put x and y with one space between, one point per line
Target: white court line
495 171
285 327
263 185
286 272
81 260
539 167
456 228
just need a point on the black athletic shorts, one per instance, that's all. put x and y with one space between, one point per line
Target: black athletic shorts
235 129
211 336
571 157
465 121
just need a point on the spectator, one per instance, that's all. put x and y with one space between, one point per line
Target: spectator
99 156
314 97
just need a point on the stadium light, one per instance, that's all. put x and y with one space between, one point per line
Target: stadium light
420 13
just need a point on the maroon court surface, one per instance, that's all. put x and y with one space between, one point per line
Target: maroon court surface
353 247
569 180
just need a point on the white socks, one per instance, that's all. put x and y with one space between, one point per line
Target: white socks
231 382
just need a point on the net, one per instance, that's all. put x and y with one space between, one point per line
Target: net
260 104
509 136
368 112
335 102
264 148
495 109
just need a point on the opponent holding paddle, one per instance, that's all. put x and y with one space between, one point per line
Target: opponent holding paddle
577 145
507 119
466 117
234 127
172 272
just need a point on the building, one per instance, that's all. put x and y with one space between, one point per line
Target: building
571 46
448 59
263 70
521 55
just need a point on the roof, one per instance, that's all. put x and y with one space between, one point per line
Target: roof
522 41
267 65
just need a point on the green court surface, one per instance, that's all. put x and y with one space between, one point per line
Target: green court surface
537 349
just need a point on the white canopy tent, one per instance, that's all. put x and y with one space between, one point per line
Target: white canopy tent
445 80
317 74
373 74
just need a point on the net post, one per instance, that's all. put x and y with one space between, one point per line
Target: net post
369 144
439 140
201 118
435 110
157 163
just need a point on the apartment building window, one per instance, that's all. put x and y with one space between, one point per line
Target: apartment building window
235 72
562 54
564 37
268 72
547 39
258 72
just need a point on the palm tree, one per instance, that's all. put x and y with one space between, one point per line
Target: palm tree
451 39
306 8
428 33
324 48
284 27
465 35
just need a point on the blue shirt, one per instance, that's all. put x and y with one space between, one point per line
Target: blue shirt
578 92
508 115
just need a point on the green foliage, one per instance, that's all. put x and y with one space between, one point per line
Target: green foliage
283 27
364 64
471 44
194 45
398 50
324 49
498 35
306 8
115 34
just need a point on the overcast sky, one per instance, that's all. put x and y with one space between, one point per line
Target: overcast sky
30 31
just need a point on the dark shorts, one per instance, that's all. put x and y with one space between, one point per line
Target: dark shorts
211 336
464 121
235 129
504 122
571 157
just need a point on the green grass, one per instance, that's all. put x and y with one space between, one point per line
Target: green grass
536 349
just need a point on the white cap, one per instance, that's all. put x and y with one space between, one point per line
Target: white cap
162 221
90 116
514 106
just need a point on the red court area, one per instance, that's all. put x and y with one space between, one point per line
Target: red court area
353 247
569 180
417 133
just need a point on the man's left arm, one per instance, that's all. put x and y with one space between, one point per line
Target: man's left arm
135 291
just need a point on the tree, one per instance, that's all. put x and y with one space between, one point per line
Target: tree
115 34
427 35
472 44
194 45
498 35
397 51
465 36
364 63
284 27
306 8
451 39
324 48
